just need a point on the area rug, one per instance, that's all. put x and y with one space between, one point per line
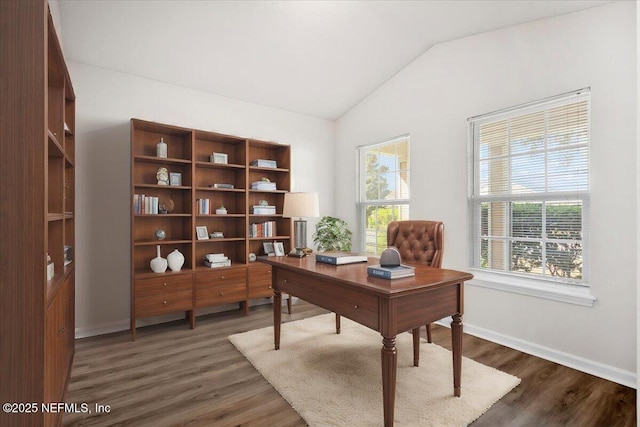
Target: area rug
335 380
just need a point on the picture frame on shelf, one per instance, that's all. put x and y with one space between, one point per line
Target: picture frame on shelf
175 179
278 248
202 233
219 158
268 248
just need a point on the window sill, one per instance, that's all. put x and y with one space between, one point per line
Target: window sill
546 289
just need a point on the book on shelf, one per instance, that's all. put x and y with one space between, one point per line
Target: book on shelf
264 163
264 210
222 185
263 185
391 272
215 258
143 204
216 234
204 206
264 229
340 258
217 264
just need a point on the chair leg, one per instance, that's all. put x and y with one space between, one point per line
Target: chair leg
429 333
337 323
416 346
289 304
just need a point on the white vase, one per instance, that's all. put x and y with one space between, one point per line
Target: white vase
161 149
175 260
158 264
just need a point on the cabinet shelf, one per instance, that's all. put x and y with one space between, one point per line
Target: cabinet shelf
162 215
232 215
163 187
226 190
270 238
221 239
219 165
262 168
55 217
161 242
269 191
163 160
55 148
266 216
144 273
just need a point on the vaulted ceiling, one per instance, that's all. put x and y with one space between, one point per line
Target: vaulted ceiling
318 58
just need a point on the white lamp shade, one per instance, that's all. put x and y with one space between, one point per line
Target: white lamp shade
301 205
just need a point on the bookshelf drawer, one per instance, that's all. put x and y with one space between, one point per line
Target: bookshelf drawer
220 276
210 293
167 302
162 285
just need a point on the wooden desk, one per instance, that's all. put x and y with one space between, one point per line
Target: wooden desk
387 306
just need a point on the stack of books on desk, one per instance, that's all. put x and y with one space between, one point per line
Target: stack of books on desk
391 272
216 260
339 258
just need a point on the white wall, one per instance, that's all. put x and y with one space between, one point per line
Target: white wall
106 101
432 98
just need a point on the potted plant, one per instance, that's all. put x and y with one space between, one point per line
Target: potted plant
332 234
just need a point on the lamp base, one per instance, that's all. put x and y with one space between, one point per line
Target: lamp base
297 253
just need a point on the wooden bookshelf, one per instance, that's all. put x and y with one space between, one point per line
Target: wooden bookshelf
38 198
189 153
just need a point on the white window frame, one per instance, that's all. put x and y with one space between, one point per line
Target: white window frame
361 184
574 292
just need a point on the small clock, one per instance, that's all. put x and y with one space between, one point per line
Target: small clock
252 257
162 175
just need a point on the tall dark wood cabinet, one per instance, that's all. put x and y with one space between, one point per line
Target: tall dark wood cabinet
204 186
37 123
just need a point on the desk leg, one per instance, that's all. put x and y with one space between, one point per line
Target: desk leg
389 366
456 338
416 346
337 323
277 315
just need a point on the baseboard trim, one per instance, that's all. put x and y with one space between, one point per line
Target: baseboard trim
620 376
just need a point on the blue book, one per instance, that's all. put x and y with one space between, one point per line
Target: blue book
391 272
339 258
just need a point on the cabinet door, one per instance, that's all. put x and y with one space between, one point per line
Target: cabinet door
221 286
259 283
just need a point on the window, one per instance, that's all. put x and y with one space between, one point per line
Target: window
384 190
529 191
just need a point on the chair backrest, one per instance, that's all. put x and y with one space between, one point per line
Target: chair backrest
418 241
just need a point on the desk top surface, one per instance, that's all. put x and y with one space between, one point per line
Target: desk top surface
356 274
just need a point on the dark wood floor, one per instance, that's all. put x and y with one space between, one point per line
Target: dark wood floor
176 376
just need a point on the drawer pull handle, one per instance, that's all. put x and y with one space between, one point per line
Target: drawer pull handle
268 271
164 284
285 280
164 302
221 293
355 306
270 287
222 277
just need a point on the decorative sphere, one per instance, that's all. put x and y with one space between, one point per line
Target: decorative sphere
160 234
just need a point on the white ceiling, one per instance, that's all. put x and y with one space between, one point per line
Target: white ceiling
318 58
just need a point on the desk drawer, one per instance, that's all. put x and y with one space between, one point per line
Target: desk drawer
162 285
163 303
346 301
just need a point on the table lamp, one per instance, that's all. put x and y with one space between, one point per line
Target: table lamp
300 205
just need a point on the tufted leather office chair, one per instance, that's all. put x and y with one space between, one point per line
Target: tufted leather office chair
419 242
